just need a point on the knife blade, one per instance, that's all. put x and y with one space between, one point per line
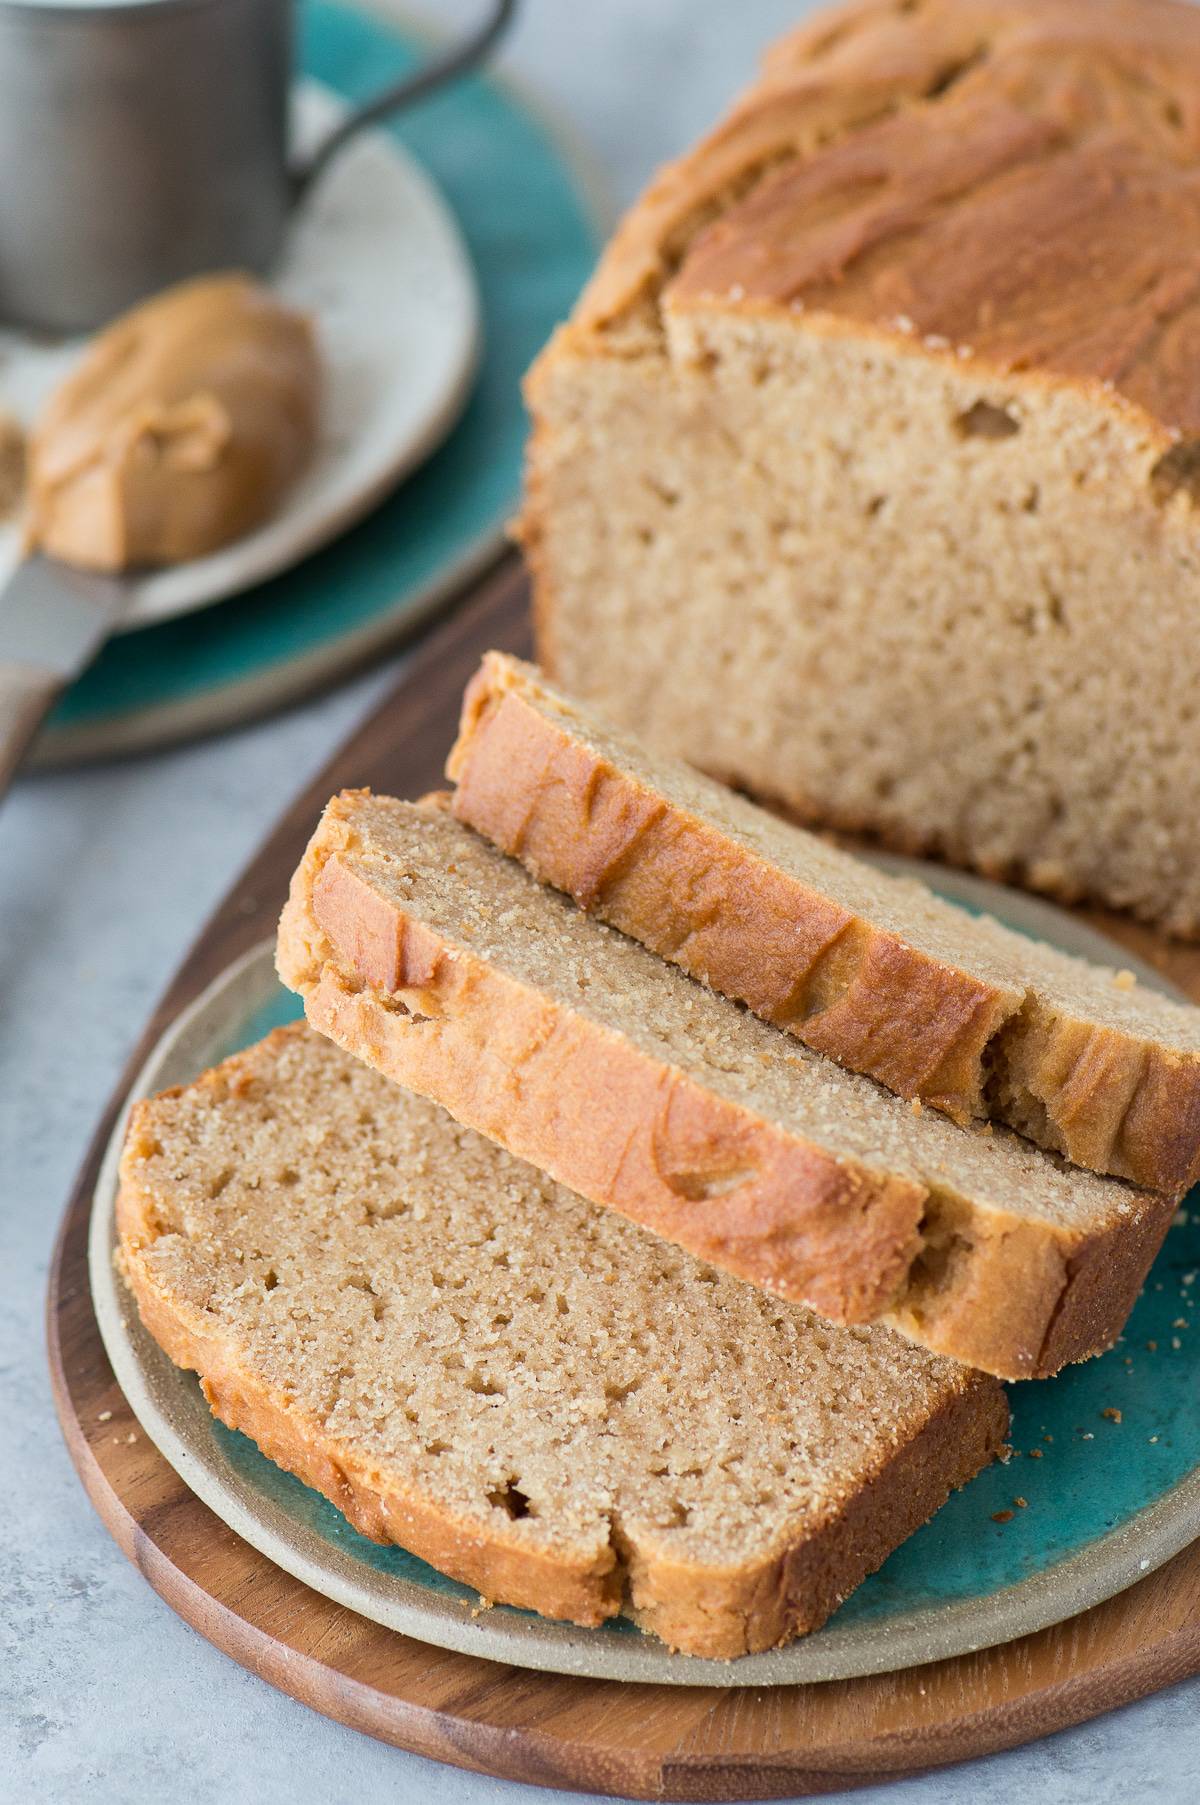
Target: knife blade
53 620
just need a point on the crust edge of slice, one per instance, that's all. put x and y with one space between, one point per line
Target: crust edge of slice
708 1610
1116 1103
1011 1296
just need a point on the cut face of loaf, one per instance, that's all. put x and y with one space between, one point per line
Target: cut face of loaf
866 474
530 1393
879 974
422 950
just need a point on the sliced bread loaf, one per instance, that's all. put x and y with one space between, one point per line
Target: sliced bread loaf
866 471
528 1392
876 972
443 964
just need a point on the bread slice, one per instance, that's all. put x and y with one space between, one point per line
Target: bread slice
423 950
528 1392
866 472
878 973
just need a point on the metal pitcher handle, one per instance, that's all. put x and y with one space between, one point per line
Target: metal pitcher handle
455 61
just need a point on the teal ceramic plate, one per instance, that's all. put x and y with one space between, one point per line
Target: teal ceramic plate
1104 1500
531 223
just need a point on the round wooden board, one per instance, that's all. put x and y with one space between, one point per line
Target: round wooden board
646 1742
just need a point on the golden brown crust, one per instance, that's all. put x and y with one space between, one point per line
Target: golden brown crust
691 893
1069 1300
1110 1100
636 1135
1145 1126
1171 907
1107 1099
695 1609
801 99
903 837
967 172
596 1114
1005 191
797 1588
703 1609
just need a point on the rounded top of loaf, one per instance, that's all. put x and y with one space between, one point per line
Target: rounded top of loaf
1016 184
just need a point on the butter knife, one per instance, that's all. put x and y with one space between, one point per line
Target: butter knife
53 620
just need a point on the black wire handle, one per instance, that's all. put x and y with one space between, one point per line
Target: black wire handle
442 69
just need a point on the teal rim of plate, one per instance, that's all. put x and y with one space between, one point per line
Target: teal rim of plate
532 232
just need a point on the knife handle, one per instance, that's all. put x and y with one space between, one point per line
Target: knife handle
26 694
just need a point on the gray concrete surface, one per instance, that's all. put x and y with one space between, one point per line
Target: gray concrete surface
105 877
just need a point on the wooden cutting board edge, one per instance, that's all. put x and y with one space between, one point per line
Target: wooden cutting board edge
548 1729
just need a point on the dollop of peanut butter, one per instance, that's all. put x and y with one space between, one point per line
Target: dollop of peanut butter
187 420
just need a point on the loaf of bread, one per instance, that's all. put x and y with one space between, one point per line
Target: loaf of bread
528 1392
876 972
421 949
866 473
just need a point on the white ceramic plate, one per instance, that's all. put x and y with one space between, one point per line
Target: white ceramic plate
1025 1588
376 259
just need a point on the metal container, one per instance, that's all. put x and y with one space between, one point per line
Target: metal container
143 141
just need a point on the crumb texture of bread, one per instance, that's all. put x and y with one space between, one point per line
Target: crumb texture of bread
424 951
866 473
872 970
528 1392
